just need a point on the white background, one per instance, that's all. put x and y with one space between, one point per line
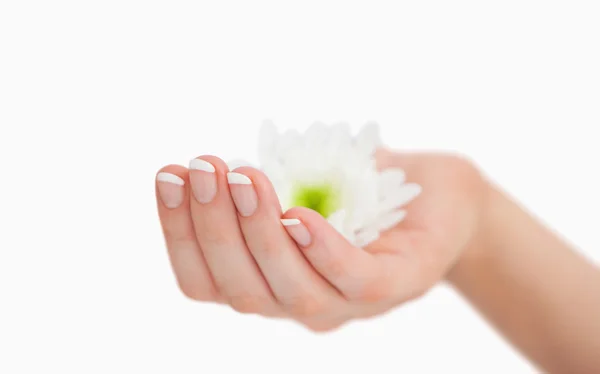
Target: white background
96 96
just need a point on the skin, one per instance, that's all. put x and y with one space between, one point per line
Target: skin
540 294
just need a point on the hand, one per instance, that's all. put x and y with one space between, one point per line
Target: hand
227 244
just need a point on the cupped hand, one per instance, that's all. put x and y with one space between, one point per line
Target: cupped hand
228 244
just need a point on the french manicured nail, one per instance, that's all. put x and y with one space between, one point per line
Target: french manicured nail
170 189
243 194
297 231
203 180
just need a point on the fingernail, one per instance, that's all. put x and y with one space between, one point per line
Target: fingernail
170 189
203 180
297 231
243 193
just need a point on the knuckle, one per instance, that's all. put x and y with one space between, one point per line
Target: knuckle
248 304
271 246
336 268
305 306
217 237
175 238
376 290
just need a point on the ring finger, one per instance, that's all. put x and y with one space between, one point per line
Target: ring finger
236 274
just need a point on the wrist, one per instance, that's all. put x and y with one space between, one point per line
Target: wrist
482 247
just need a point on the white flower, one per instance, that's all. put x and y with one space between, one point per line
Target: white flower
332 172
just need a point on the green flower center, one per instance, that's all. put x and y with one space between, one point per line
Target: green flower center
323 198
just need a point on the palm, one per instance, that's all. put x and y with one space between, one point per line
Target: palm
440 223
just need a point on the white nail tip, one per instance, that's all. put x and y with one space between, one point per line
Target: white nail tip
290 221
199 164
237 178
170 178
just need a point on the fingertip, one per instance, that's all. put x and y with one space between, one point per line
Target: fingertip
256 176
319 228
170 183
219 165
170 178
306 215
298 231
177 171
262 184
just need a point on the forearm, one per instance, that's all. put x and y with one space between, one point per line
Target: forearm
543 296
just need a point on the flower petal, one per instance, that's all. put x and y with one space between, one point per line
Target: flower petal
392 176
267 141
401 196
388 220
316 135
390 180
336 219
339 141
368 139
288 144
366 237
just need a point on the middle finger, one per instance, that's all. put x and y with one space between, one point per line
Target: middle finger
233 268
297 286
